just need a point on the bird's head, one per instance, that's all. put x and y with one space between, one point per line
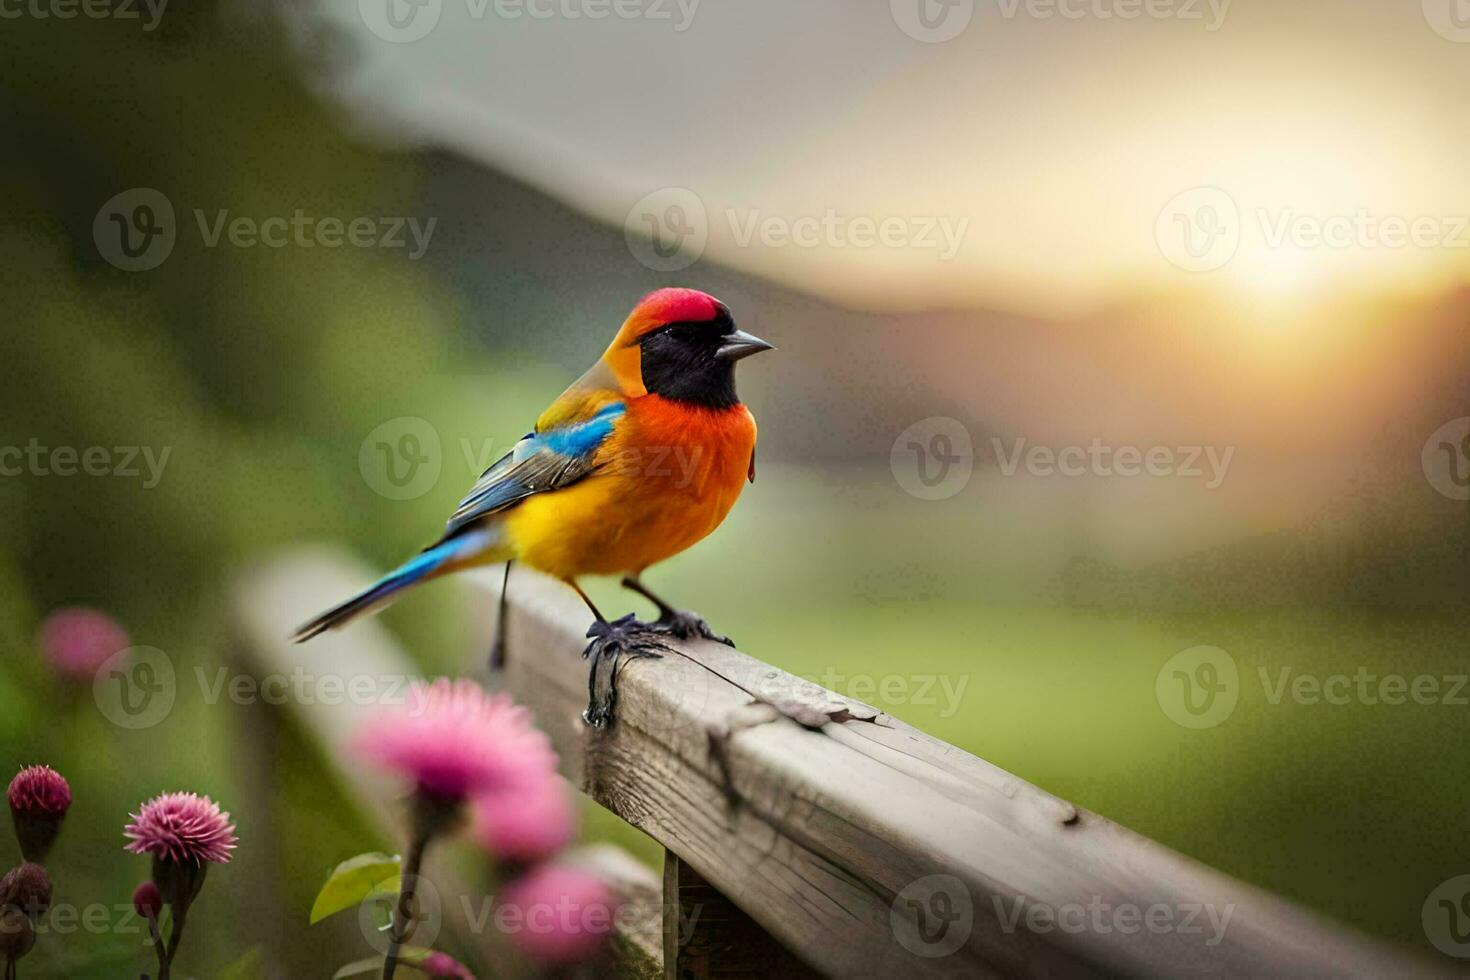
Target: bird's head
681 344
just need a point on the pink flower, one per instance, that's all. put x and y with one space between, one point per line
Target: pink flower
39 798
182 828
529 824
444 965
39 792
454 740
558 915
78 640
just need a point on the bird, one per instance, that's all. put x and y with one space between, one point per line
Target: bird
639 459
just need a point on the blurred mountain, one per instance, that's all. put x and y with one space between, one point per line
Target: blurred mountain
540 278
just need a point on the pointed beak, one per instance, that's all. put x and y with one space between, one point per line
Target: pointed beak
738 344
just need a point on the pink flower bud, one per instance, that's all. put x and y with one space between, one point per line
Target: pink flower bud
27 888
79 640
558 915
39 798
148 900
444 965
527 824
453 740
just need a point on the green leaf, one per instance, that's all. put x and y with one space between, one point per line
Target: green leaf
360 968
354 880
251 966
373 965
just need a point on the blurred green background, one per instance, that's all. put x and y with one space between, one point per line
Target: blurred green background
1047 607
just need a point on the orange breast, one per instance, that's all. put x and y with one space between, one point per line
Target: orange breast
666 479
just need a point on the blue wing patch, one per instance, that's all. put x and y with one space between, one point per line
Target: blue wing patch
583 438
540 462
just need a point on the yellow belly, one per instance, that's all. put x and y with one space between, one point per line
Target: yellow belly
612 525
643 507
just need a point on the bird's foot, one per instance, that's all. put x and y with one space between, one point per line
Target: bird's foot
686 625
613 644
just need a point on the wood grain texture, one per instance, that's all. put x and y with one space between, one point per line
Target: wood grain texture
874 850
708 937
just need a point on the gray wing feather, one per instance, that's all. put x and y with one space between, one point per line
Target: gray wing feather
540 462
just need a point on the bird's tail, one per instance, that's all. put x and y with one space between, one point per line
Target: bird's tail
443 557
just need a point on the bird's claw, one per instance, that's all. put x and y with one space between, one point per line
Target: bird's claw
613 644
686 625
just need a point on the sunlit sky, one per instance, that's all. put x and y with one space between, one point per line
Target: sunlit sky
1031 162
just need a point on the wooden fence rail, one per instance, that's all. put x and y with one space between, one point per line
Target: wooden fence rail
868 848
810 834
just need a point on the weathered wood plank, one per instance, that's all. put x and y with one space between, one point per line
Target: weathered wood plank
264 604
872 849
707 936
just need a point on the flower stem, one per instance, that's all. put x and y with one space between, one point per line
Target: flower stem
175 934
157 935
403 914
